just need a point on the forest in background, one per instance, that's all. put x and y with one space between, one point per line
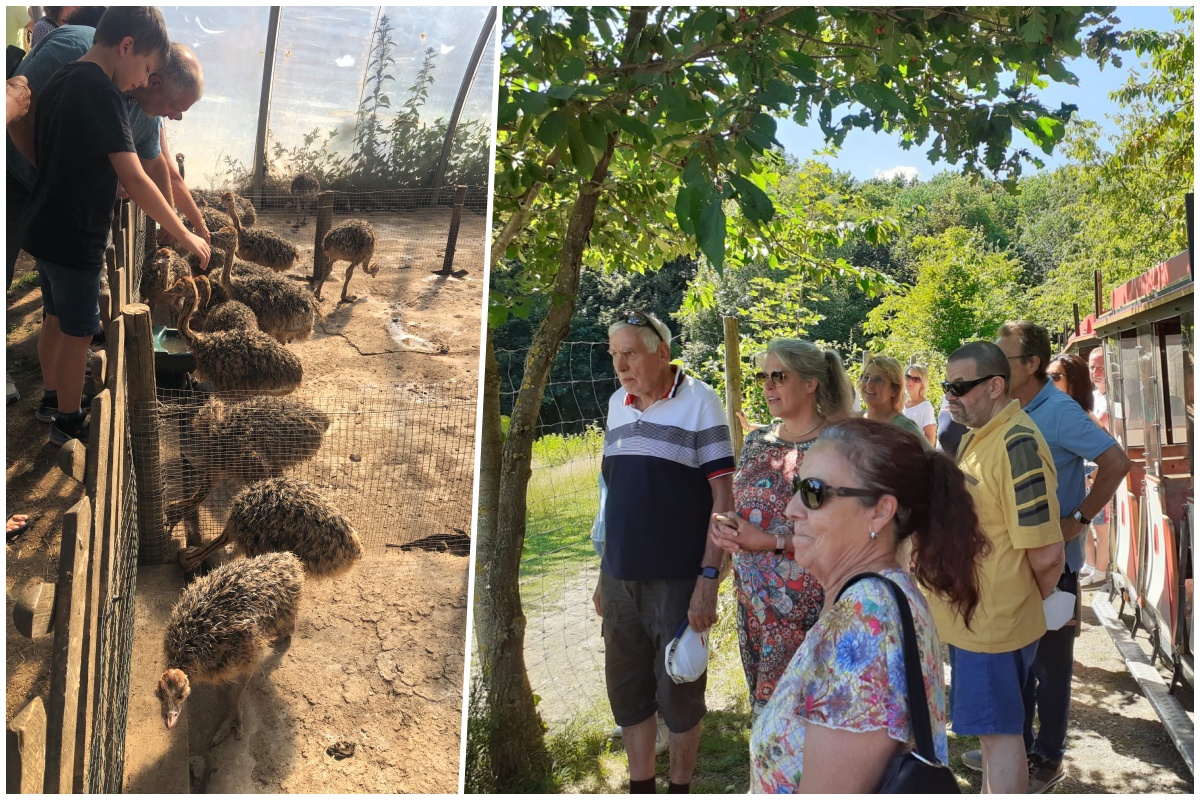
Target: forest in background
909 269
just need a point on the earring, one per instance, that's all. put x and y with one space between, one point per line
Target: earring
874 536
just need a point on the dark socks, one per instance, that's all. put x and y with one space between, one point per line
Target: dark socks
678 788
642 787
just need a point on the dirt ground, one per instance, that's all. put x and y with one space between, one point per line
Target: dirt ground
378 656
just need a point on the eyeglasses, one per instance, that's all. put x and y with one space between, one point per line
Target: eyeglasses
960 388
876 380
913 378
776 378
1056 376
640 319
813 492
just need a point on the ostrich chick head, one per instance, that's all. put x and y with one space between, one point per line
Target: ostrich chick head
371 269
173 689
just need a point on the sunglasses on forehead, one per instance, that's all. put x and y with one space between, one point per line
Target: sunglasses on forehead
813 491
640 319
960 388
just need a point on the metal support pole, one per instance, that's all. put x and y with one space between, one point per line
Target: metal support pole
464 89
264 106
460 198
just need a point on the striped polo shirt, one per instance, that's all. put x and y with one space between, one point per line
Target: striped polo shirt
657 467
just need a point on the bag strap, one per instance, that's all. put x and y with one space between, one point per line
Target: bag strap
918 703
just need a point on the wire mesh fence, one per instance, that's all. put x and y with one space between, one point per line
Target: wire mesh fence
398 464
106 765
564 653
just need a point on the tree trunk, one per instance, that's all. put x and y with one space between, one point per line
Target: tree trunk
517 747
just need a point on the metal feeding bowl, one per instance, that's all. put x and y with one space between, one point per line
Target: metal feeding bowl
171 353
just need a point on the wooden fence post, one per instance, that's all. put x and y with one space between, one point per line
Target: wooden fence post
26 736
144 435
62 709
460 199
324 223
733 383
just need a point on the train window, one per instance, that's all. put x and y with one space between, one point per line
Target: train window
1175 422
1150 388
1127 389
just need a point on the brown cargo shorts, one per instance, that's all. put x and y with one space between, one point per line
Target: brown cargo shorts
640 619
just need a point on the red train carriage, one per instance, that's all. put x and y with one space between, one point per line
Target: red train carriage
1148 343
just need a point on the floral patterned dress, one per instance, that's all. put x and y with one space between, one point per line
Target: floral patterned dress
777 600
849 675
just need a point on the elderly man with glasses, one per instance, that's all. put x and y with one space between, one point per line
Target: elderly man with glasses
1073 439
1011 477
668 466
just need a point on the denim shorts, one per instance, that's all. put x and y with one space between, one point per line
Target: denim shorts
71 295
640 618
985 691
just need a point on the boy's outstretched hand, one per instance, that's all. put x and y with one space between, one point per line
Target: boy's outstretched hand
198 246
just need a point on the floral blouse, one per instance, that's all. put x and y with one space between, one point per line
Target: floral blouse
849 675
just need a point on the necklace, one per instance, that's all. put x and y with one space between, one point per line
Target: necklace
783 427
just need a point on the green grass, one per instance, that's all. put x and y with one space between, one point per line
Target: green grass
562 500
26 281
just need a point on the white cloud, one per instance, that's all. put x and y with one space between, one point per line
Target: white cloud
907 173
345 61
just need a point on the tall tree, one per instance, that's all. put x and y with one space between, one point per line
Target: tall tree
629 136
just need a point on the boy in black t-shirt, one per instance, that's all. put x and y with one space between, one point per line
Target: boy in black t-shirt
83 146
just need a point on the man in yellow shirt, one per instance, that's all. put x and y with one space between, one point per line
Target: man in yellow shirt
1011 476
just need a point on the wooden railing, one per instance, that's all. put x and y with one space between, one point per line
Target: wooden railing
50 745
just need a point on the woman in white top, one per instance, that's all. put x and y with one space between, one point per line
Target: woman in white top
916 406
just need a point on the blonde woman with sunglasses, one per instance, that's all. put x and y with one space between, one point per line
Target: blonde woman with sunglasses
916 406
806 388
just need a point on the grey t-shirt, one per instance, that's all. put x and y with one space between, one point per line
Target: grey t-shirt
62 46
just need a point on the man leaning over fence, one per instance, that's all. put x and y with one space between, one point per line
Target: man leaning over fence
668 465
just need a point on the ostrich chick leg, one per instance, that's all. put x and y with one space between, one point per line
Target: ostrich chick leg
346 284
233 723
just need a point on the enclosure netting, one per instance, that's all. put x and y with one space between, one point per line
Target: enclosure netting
114 649
397 462
564 653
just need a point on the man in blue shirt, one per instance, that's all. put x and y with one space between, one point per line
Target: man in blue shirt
1073 438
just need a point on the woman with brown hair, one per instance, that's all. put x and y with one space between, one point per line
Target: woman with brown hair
862 491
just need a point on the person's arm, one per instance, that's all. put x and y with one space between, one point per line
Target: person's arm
825 752
1111 468
20 130
702 611
157 171
931 434
16 98
743 536
143 192
1047 565
181 193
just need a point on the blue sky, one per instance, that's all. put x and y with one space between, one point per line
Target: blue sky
866 154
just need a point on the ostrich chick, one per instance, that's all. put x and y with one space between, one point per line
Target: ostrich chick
285 515
221 626
353 241
240 359
284 308
163 271
304 186
179 161
230 315
260 246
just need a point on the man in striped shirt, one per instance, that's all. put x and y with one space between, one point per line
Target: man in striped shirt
1011 476
668 465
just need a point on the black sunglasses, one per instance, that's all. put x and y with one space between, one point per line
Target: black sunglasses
640 319
960 388
813 492
777 377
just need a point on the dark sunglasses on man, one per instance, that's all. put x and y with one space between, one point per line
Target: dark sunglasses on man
960 388
640 319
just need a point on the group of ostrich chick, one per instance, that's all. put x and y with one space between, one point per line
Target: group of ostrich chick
281 528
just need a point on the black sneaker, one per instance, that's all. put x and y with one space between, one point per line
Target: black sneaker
47 410
69 426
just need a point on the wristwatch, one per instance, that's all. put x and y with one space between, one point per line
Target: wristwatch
1080 518
779 542
712 573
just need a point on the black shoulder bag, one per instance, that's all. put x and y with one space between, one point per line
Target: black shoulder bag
916 771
